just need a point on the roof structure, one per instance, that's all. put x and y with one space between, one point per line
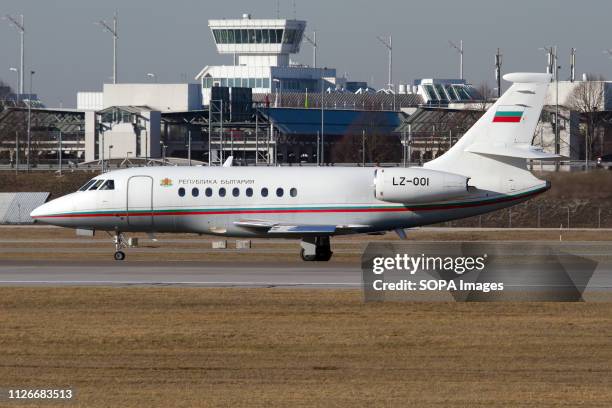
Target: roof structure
64 120
428 119
341 100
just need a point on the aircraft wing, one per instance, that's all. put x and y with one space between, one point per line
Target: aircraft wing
273 228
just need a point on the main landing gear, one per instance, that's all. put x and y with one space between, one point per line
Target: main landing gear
120 243
316 249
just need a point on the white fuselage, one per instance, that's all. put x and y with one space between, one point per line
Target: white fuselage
175 199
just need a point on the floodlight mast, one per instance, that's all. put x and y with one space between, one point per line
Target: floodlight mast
113 32
21 27
459 49
389 46
313 42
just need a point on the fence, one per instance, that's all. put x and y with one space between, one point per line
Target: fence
15 208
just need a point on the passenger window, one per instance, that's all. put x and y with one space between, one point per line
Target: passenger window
264 192
236 192
279 192
293 192
87 185
249 192
108 185
195 192
96 185
181 192
222 192
208 192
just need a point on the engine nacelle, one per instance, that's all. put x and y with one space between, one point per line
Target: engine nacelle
417 185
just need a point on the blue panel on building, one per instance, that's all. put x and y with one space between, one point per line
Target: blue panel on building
296 121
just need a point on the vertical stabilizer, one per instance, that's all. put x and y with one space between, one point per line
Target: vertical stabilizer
499 143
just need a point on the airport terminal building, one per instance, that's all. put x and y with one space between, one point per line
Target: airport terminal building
265 108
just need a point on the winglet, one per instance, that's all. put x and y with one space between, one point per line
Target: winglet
229 161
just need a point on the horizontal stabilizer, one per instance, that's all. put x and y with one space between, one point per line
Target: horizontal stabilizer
519 151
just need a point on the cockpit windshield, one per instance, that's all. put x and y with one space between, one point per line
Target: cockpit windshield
98 184
87 185
108 185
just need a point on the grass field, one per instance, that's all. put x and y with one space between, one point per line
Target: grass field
137 347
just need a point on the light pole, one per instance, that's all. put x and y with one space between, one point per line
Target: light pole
322 161
21 27
110 149
113 31
29 122
459 49
389 46
152 76
552 67
163 153
498 66
313 42
278 85
17 71
59 160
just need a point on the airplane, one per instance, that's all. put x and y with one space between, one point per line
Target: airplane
486 170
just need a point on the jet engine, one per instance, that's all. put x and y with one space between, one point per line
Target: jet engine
418 185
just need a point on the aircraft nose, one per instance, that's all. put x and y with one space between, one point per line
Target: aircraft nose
51 212
40 211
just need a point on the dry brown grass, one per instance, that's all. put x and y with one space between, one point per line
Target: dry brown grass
136 347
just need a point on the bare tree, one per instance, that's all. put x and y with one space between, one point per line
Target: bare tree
587 98
5 91
486 96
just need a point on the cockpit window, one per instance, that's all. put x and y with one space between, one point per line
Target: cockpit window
96 185
108 185
87 185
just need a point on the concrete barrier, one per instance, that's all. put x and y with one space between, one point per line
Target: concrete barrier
219 244
243 244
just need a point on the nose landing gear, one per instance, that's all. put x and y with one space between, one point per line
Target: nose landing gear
316 249
120 243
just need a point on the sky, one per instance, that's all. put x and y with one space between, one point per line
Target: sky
70 53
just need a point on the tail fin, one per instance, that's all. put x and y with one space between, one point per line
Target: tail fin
499 143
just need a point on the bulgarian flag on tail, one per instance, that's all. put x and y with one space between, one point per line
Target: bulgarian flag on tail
509 114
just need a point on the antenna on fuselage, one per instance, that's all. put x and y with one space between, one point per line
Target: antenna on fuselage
229 162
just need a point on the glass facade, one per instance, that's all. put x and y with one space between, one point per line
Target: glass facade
209 82
256 36
438 93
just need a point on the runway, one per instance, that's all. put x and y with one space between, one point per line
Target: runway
196 274
210 274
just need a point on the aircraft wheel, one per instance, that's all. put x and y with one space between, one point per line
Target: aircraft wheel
307 258
325 256
119 256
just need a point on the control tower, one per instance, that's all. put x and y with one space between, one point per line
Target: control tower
260 51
